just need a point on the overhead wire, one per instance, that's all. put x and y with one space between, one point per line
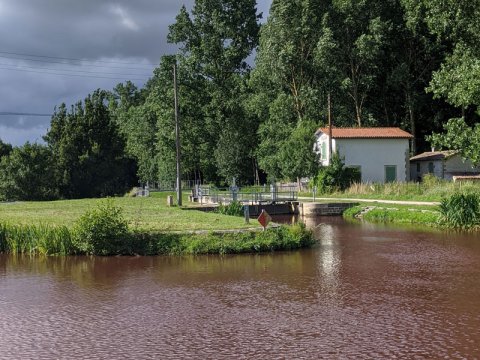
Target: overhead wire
74 75
70 64
11 113
75 59
71 70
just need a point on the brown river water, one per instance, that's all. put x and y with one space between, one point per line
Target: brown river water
364 292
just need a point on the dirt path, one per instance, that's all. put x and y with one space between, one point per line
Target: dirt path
398 202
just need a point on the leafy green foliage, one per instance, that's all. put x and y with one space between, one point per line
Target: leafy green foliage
90 159
461 210
336 176
215 40
235 208
102 231
459 136
5 149
296 155
26 174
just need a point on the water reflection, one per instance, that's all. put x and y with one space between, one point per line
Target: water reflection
329 260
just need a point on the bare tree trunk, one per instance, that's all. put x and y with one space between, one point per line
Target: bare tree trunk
413 127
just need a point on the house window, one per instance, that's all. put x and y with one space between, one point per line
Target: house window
323 154
390 173
418 167
430 167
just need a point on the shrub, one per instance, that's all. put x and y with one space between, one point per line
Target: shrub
336 177
461 210
102 231
235 208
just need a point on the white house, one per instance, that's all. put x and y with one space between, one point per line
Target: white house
381 154
442 164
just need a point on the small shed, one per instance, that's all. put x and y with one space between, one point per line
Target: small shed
380 154
442 164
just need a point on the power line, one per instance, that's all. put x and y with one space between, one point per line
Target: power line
11 113
71 70
73 59
70 64
73 75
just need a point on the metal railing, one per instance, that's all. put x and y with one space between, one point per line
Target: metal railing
248 196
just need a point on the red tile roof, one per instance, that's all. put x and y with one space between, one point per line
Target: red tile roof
368 133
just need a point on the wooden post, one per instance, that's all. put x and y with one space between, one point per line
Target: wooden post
177 136
330 144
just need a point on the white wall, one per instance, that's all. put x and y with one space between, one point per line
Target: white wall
371 155
456 165
443 169
415 175
320 140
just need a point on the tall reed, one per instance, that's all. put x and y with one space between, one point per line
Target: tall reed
461 210
35 240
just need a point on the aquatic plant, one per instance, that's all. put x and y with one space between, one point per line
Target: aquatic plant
35 240
235 208
461 210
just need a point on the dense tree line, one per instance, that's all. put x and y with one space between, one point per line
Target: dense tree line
252 95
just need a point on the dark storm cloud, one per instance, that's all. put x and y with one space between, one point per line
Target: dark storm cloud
99 32
88 28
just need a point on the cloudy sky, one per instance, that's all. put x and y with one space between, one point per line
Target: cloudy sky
54 51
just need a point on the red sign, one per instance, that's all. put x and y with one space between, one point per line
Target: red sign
264 219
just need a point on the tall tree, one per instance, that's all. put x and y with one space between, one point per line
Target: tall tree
26 174
290 92
138 126
89 150
5 149
215 42
457 21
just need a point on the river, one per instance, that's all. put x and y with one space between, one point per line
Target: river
363 292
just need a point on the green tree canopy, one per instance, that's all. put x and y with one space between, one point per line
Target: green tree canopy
26 174
88 149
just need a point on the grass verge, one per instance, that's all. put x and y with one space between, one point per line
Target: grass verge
395 214
143 214
50 240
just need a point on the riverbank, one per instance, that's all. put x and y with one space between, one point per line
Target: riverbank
426 215
148 227
48 240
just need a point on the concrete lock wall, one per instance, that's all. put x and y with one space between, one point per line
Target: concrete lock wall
327 209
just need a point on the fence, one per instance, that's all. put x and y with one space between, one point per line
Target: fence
257 195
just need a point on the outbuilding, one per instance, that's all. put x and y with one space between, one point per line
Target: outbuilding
442 164
381 154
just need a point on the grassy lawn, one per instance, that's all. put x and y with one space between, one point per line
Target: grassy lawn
429 190
145 214
398 214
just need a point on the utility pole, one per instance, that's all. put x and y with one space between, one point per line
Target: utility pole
330 146
177 136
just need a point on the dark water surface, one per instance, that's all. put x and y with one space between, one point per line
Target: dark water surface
363 292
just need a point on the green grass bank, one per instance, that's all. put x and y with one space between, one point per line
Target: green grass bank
135 226
395 214
431 189
147 214
50 240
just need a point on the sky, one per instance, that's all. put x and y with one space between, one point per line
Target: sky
59 51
